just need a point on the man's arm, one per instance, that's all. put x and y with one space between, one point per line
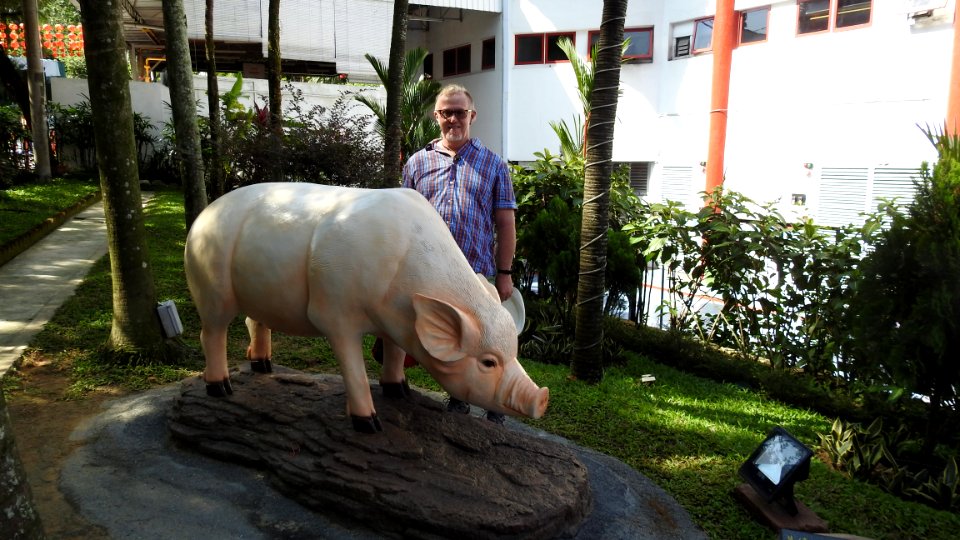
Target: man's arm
506 246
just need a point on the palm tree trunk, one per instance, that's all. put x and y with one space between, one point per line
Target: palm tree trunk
37 88
184 111
217 187
393 132
587 362
136 328
20 519
274 75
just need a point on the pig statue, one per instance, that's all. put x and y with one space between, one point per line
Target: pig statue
311 260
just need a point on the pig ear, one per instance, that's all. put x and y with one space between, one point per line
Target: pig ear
444 330
491 288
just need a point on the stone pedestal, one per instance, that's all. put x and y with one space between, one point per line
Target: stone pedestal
428 474
775 517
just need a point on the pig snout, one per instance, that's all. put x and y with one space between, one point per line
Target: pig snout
518 395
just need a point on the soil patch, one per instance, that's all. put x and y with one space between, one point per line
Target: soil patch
42 423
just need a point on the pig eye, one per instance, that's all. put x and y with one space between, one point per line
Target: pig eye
489 363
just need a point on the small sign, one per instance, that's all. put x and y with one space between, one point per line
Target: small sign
916 6
169 318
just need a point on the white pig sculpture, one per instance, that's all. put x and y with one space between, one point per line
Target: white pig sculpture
311 260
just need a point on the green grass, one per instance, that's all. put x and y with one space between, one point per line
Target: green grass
686 433
24 207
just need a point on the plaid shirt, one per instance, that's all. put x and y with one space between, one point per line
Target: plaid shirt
466 191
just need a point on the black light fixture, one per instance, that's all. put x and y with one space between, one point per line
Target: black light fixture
775 466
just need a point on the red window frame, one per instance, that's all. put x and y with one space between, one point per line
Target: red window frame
833 14
491 61
546 39
693 37
741 19
593 36
456 53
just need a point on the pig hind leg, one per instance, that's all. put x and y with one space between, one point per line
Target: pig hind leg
259 352
213 339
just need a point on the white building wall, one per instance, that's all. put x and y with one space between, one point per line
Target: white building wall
847 98
486 86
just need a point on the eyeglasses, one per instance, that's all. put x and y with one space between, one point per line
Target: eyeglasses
459 113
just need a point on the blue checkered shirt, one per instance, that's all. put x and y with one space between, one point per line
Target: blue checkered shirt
466 191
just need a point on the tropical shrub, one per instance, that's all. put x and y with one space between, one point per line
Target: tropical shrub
905 310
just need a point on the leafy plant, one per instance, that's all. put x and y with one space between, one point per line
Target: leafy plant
417 101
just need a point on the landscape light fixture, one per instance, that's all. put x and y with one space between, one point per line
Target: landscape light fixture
775 466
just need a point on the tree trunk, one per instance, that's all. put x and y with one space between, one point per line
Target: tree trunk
136 328
217 187
587 362
184 111
20 519
274 74
38 92
393 129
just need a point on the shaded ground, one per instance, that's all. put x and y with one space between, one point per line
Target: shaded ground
42 424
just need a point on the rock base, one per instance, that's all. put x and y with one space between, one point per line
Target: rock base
429 474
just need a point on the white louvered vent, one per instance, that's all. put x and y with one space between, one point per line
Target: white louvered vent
894 183
677 184
843 195
235 20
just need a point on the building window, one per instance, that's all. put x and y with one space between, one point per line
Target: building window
456 61
640 48
702 35
753 25
428 66
541 48
488 56
823 15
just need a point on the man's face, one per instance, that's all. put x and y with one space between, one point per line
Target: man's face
455 129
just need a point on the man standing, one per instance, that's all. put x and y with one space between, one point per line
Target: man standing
470 187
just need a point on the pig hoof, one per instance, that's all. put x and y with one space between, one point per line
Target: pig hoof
396 389
219 389
366 424
261 366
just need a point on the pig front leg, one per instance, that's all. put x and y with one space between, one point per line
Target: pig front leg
214 343
349 355
392 379
259 352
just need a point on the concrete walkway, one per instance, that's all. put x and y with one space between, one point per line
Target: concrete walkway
36 282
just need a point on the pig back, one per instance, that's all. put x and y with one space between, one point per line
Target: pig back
311 259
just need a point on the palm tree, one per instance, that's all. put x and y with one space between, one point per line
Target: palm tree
587 364
20 518
136 332
213 105
184 110
393 128
418 97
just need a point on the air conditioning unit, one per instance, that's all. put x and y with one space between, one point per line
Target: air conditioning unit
923 13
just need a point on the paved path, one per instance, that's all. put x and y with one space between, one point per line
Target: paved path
36 282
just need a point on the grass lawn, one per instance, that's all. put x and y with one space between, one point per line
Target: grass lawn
686 433
24 207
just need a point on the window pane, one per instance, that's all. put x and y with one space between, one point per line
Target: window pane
703 35
449 62
530 49
753 25
463 59
640 43
852 12
593 41
813 16
488 55
554 52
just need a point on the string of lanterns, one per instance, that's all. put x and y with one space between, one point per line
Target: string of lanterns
57 40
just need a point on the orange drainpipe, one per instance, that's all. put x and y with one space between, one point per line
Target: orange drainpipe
953 100
724 37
